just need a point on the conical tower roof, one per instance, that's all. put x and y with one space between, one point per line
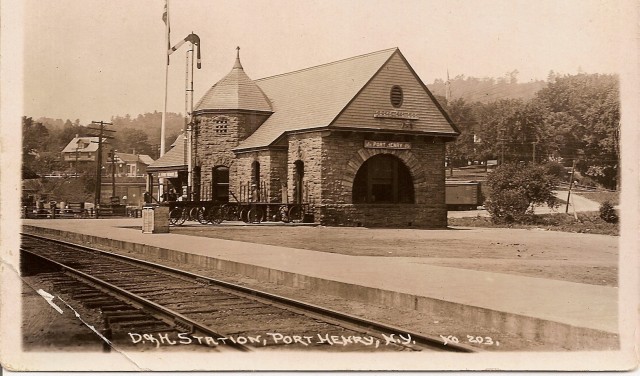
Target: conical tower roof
236 91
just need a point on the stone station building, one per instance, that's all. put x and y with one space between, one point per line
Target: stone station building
361 140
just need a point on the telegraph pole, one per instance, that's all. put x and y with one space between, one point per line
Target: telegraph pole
113 174
573 169
101 130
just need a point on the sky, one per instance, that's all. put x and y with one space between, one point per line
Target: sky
93 59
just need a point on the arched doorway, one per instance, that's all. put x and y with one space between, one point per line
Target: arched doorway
298 177
381 179
220 184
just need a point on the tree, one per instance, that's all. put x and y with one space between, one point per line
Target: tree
129 139
462 150
585 111
516 188
34 138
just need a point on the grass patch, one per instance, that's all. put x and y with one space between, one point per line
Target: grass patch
588 223
600 197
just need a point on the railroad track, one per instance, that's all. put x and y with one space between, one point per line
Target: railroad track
141 304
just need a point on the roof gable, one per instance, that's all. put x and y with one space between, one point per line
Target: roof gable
372 108
174 158
313 97
86 144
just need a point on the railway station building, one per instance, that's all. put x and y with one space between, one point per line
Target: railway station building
360 140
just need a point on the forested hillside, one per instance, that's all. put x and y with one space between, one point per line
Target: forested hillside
43 139
485 90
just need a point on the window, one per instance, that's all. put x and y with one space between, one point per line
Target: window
255 181
298 175
396 96
220 126
383 179
220 183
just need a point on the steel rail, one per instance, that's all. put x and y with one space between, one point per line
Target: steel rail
174 318
422 339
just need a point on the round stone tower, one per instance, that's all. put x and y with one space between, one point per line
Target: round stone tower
229 112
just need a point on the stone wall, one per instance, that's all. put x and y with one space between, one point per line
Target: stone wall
382 215
272 173
344 153
307 148
214 138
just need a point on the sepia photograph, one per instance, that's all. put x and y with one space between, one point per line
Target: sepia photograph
319 185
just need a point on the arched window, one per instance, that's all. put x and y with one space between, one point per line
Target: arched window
220 183
383 179
255 181
298 176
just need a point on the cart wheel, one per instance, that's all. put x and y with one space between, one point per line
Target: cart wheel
215 215
243 216
202 215
255 215
296 214
283 212
193 214
176 217
230 212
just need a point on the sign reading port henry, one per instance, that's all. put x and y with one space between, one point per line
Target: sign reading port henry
387 145
403 115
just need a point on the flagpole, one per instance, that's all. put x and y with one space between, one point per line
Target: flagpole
166 90
166 83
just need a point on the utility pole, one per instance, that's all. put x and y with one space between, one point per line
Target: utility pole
573 169
113 174
77 150
534 151
101 130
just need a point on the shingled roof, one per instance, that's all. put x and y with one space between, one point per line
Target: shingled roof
83 144
174 159
236 91
313 97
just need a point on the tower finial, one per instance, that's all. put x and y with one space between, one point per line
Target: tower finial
238 64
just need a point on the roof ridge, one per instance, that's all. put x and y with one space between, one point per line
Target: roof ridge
329 63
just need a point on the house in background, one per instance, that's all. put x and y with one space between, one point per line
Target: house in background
129 165
81 151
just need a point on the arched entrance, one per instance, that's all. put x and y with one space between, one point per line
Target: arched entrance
381 179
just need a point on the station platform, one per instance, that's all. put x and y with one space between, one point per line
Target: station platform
565 312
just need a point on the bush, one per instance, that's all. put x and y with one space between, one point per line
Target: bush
587 182
608 212
556 170
515 189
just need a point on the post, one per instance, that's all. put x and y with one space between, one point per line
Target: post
573 168
96 200
101 130
113 173
77 148
166 80
190 134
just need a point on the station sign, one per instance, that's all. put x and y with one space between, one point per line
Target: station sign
399 145
393 114
170 174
